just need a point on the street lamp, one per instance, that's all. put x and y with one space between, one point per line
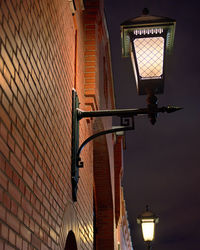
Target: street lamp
148 40
148 221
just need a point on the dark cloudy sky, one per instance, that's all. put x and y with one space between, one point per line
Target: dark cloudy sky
162 162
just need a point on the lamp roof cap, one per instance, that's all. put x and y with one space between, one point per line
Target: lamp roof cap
147 215
147 19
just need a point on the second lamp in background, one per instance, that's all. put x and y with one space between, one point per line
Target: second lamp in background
148 221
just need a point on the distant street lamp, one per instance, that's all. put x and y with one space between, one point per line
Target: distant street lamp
148 221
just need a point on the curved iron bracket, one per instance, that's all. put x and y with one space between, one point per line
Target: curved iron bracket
126 115
109 131
126 122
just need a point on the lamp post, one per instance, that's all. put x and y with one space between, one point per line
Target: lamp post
148 221
139 36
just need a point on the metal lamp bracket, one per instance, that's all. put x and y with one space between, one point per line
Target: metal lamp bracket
127 123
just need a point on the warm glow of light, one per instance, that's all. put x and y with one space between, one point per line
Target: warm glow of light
148 229
150 56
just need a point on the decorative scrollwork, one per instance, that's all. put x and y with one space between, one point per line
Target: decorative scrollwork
127 121
80 163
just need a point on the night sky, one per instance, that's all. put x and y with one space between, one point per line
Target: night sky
162 162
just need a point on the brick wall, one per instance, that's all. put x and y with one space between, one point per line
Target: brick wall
38 63
47 48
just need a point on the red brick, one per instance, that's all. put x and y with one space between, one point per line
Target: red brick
90 75
90 42
44 247
9 48
5 118
4 231
39 170
90 58
14 207
4 180
29 154
13 222
4 132
90 64
37 192
16 179
28 179
22 186
16 164
32 225
19 242
90 53
18 152
20 214
37 229
27 193
25 232
9 171
24 245
2 244
14 192
90 69
5 103
6 200
90 92
90 47
37 217
35 241
19 83
7 74
20 125
2 163
5 55
11 237
19 110
17 136
9 247
26 220
27 206
11 142
2 213
90 80
13 88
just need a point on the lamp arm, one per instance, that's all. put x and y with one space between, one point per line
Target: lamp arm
124 114
127 113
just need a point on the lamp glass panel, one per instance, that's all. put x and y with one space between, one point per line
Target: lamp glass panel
148 227
150 56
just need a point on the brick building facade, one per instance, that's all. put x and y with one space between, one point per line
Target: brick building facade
48 48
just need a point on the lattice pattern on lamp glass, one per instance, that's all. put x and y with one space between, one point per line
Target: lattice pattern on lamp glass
149 53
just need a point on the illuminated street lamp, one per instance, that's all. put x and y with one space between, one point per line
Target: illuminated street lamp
148 221
149 41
